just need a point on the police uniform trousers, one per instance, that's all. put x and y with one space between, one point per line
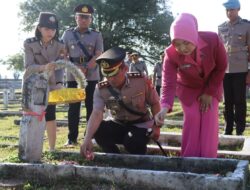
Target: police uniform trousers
110 133
74 108
235 102
158 90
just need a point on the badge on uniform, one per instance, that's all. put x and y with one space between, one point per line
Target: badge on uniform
104 64
85 9
52 19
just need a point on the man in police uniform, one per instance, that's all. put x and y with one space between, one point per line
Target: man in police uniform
157 74
129 58
235 34
137 65
84 45
128 96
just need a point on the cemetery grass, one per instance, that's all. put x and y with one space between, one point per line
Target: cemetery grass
10 133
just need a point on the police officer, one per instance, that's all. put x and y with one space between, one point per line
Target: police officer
137 65
129 58
157 74
83 45
39 53
235 34
128 96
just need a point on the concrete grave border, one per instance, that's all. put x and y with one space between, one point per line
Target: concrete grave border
153 179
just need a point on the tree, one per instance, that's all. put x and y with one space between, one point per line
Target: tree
14 62
140 25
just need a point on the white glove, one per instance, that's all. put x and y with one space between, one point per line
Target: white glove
160 116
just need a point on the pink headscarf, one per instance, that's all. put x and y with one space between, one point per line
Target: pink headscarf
185 27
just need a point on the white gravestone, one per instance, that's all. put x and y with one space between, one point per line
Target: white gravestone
34 102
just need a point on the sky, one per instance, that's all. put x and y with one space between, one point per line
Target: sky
209 13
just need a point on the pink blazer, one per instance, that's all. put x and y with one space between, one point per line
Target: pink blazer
188 79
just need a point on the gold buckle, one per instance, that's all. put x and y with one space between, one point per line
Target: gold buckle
81 60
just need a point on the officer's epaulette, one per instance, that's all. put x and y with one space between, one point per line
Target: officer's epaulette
134 75
245 20
70 29
94 30
60 41
103 84
223 24
31 40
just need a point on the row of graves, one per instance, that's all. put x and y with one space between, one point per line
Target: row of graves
156 170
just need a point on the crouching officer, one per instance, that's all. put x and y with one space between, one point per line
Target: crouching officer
128 96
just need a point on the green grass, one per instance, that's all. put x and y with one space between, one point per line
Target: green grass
9 129
10 133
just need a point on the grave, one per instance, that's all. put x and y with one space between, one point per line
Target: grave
151 172
171 142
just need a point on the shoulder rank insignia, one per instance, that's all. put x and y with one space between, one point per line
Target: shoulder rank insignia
245 20
30 40
103 84
70 29
94 30
134 75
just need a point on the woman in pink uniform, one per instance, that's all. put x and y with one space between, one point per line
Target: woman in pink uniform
193 69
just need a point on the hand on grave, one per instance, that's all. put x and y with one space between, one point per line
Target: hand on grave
86 149
160 116
205 102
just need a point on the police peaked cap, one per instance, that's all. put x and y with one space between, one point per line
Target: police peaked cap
84 9
111 60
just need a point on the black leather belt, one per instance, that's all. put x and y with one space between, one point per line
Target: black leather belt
79 60
127 122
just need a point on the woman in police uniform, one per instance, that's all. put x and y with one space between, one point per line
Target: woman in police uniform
39 53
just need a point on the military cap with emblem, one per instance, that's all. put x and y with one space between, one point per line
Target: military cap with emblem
232 4
135 53
84 9
47 19
111 60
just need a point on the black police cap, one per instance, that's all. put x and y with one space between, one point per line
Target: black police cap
84 9
47 19
111 60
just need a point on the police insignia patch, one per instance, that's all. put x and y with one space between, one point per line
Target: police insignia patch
134 75
104 64
52 19
85 9
103 84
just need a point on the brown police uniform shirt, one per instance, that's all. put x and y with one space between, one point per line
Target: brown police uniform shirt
137 93
37 54
236 39
92 41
